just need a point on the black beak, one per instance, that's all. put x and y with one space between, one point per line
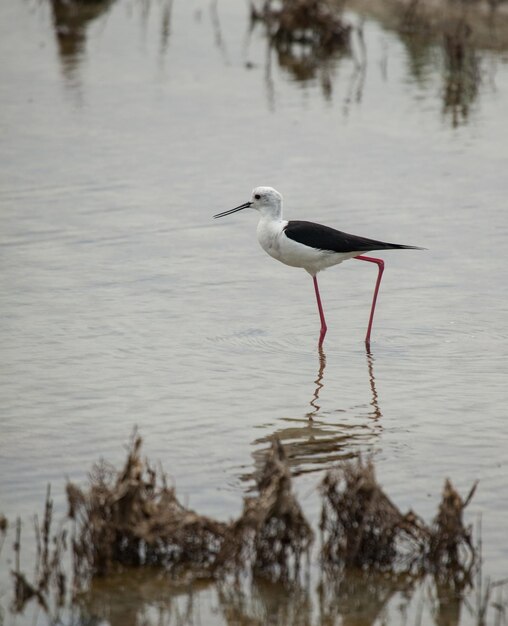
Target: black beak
246 205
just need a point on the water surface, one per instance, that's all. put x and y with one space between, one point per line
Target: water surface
123 303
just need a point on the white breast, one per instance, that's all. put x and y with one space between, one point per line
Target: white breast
269 234
273 240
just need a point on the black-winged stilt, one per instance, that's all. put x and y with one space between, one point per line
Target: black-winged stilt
313 247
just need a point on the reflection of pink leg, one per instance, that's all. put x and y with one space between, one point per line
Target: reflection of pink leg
381 267
321 314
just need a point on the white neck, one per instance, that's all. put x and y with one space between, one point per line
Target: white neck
271 212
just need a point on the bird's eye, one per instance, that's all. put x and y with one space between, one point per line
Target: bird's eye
257 196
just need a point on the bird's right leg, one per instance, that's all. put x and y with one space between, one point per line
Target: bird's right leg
321 313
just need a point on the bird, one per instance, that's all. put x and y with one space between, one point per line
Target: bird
313 247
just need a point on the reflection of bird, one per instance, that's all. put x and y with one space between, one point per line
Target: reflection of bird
374 403
311 246
319 385
318 441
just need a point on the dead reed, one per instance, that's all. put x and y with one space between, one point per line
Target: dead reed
272 533
362 528
49 581
451 553
131 518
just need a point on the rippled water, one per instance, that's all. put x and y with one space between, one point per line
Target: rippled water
123 303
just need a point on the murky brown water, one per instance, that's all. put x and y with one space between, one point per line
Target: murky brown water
124 303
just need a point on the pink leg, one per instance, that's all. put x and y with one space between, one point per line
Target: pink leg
321 314
381 266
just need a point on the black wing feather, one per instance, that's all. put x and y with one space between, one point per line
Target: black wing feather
326 238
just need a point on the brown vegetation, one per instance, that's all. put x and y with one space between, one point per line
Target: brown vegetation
131 518
49 581
134 518
362 528
451 553
272 533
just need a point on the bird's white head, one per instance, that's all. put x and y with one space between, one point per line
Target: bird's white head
266 200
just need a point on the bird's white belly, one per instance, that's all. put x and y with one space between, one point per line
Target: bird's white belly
273 240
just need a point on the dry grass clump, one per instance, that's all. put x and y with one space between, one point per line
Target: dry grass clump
311 23
132 517
362 527
272 533
451 553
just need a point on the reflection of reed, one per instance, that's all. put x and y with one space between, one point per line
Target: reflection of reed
357 80
353 598
462 72
219 39
265 603
447 604
307 37
303 68
453 39
166 25
359 597
128 599
70 20
312 443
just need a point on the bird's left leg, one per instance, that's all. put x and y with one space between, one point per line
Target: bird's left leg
381 266
321 313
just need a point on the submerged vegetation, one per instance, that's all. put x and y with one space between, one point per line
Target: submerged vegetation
131 517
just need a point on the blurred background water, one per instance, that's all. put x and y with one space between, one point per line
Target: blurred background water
123 130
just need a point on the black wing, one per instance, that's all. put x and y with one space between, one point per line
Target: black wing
326 238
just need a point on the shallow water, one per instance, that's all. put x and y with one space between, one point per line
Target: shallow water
123 303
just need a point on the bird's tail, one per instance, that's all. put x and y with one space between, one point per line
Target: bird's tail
399 246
